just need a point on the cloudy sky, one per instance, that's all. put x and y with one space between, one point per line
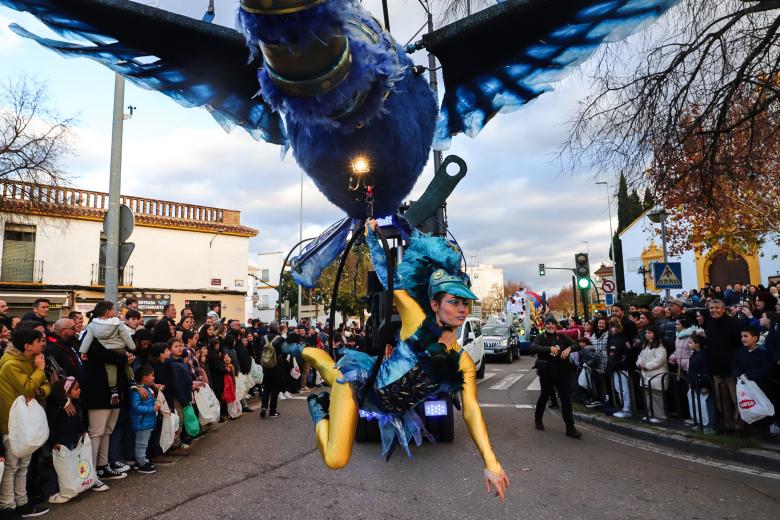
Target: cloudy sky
516 208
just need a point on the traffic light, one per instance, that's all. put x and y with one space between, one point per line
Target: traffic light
582 270
541 269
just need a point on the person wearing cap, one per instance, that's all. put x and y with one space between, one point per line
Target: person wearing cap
553 366
432 297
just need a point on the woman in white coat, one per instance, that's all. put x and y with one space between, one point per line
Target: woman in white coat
652 362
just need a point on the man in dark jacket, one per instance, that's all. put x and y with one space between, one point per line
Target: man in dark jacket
723 341
59 345
166 327
629 327
272 375
40 311
552 351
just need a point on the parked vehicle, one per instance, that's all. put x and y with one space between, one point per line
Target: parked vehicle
469 336
500 339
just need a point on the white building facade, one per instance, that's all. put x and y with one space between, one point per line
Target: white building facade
642 247
487 281
264 279
184 254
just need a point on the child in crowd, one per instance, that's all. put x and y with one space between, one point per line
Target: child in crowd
757 364
68 427
143 418
112 334
652 362
700 402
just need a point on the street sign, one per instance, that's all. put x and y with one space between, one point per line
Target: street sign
216 281
608 286
598 307
609 299
126 223
125 250
668 275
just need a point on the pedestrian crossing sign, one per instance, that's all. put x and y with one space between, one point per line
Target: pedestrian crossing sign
667 275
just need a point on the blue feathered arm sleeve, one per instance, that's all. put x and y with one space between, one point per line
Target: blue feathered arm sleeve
378 259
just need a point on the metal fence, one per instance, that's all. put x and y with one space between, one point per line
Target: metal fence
683 403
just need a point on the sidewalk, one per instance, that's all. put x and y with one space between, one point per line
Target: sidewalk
751 451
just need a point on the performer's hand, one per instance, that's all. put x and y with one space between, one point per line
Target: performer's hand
499 481
554 350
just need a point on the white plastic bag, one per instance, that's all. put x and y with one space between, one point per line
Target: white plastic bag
752 401
242 386
208 405
295 371
700 408
256 373
234 409
27 427
75 471
170 423
582 379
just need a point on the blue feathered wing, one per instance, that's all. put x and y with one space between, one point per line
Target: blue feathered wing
195 63
503 57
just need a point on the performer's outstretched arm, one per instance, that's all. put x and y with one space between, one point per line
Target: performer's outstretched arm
472 415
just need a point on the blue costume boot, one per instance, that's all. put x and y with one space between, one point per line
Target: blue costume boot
319 405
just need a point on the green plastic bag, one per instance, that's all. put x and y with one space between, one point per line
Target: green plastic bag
191 423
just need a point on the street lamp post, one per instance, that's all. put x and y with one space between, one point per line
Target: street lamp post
611 234
659 216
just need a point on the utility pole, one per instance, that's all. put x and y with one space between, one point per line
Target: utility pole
114 187
433 80
300 238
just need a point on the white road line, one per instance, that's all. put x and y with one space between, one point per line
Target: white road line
517 406
488 375
506 382
535 385
690 458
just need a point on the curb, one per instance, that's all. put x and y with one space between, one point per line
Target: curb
764 459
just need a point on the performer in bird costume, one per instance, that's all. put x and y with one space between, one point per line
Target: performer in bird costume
432 297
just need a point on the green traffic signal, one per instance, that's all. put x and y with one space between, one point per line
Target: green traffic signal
583 283
541 269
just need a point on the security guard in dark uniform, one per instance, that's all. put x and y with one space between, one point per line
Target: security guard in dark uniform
552 351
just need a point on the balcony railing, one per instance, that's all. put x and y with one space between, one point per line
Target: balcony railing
21 270
33 195
99 275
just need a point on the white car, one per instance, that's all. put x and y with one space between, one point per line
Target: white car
470 338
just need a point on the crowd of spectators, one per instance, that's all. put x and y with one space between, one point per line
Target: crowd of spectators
105 377
696 346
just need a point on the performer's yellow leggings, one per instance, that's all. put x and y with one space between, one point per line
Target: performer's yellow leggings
335 436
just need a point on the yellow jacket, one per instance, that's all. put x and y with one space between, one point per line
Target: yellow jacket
18 376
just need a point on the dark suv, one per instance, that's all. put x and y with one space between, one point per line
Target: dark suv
501 340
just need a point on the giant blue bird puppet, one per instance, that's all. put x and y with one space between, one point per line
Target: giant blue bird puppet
324 78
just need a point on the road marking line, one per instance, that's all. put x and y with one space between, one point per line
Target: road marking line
507 382
690 458
487 376
517 406
535 385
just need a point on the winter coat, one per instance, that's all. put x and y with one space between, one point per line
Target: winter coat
682 347
619 352
601 344
549 365
181 380
112 333
162 376
67 429
655 363
96 394
723 341
217 371
31 316
756 364
244 359
19 376
142 414
698 371
281 367
65 356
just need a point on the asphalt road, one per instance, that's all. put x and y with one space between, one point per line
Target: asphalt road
253 468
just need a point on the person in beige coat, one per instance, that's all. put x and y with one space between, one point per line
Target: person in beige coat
652 362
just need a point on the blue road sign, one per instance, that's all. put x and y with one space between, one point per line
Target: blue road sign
667 275
609 299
